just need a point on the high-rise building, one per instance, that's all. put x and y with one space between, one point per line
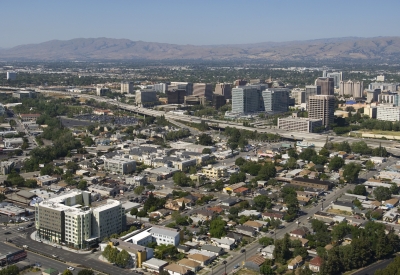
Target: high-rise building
101 90
203 90
145 97
372 95
276 100
176 96
11 75
380 78
218 101
354 89
245 99
182 85
389 98
126 87
384 87
388 113
160 87
69 218
240 82
322 107
337 77
224 89
327 85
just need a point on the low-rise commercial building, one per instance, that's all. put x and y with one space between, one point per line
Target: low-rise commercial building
313 183
297 124
120 165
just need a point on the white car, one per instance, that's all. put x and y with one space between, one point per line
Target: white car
71 268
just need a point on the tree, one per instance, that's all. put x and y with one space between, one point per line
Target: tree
240 161
382 193
261 202
82 185
266 269
134 211
205 140
113 255
150 186
10 270
67 272
139 190
206 151
180 179
307 154
360 190
336 163
291 163
163 272
123 258
86 272
324 152
192 170
106 252
217 228
351 171
369 165
265 241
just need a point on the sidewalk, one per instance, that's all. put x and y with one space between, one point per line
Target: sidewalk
33 237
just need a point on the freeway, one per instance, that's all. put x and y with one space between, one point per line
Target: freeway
310 137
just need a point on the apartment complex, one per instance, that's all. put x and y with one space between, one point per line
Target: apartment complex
69 218
389 98
299 124
372 95
354 89
120 165
126 87
224 89
146 96
322 107
388 113
384 87
203 90
176 96
160 87
327 85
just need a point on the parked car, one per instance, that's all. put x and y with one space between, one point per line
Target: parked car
71 268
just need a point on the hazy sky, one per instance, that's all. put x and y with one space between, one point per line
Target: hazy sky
195 22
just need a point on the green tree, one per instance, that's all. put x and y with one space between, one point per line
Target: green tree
336 163
351 171
266 269
369 165
291 163
217 228
67 272
324 152
150 186
139 190
307 154
360 190
240 161
106 252
86 272
206 151
261 202
82 185
10 270
123 258
205 140
382 193
192 170
265 241
113 255
181 179
134 211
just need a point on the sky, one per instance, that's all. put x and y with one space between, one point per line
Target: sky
205 22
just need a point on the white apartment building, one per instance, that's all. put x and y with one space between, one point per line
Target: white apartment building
388 113
298 124
69 218
126 87
120 165
165 235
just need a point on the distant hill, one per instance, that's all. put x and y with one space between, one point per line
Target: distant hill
376 48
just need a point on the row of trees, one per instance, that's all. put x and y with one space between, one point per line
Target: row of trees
120 258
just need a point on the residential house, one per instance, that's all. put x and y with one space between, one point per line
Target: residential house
224 242
343 206
391 203
254 262
203 260
273 216
268 251
304 242
154 265
254 224
175 269
204 214
232 187
237 238
190 264
217 251
299 232
230 202
249 213
242 191
295 263
246 230
315 264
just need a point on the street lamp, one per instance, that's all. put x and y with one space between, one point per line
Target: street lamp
245 253
225 262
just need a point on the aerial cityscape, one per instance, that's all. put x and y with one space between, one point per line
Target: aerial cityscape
200 154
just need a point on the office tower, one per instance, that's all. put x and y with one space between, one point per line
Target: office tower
389 98
324 73
203 90
183 85
312 90
11 75
224 89
384 87
101 90
126 87
299 96
240 82
218 101
322 107
388 113
144 97
245 99
337 77
327 86
276 100
176 96
354 89
372 95
160 87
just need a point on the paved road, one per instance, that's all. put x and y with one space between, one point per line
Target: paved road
370 270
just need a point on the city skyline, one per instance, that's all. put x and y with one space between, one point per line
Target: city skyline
205 22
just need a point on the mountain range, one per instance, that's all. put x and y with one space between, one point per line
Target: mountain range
87 49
